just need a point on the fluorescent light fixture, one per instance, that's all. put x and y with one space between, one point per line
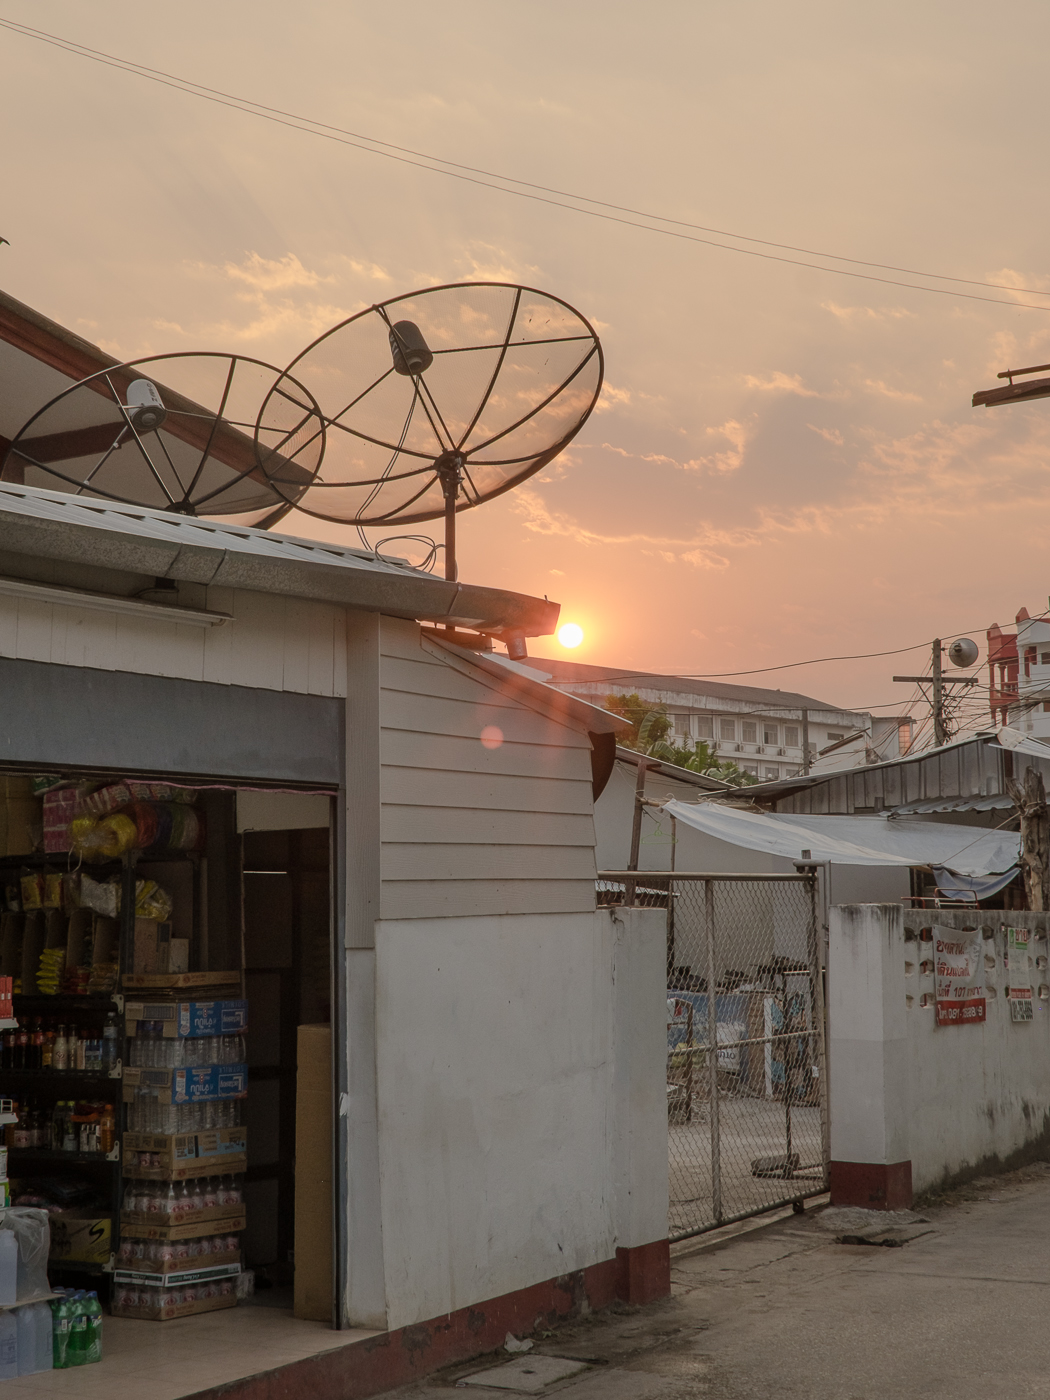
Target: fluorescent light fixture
109 602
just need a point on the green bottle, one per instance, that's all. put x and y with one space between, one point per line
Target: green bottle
93 1313
60 1313
76 1348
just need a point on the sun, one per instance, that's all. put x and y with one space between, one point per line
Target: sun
570 634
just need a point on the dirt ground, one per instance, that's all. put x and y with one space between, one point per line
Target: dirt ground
951 1299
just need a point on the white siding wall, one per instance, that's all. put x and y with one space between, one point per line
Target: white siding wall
469 830
274 643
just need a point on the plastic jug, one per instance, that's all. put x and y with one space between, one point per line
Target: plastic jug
93 1313
44 1354
8 1268
25 1322
8 1345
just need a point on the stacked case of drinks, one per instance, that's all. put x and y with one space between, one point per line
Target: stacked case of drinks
184 1154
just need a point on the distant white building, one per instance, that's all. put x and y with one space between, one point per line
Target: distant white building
759 730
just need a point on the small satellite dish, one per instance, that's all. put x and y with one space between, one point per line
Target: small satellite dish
433 402
176 432
963 652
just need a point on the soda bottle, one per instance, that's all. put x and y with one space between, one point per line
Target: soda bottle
37 1054
93 1317
110 1040
76 1347
60 1319
60 1050
107 1128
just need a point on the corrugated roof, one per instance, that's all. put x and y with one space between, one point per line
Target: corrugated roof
54 525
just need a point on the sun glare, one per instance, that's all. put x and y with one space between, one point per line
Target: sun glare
570 635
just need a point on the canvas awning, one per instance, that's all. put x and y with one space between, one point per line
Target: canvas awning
856 840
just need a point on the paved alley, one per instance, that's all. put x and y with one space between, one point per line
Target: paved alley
955 1305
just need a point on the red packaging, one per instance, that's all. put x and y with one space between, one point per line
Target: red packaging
59 810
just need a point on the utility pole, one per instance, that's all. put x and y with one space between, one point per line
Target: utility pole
938 681
939 733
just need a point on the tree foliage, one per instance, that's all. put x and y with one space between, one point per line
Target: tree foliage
650 728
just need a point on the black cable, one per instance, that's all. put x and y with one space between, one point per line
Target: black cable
458 172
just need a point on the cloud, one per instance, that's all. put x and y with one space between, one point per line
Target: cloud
781 383
612 397
879 386
867 313
828 434
273 274
729 461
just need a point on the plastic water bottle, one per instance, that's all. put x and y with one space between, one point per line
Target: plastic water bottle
76 1348
93 1316
8 1269
25 1322
8 1346
60 1317
44 1358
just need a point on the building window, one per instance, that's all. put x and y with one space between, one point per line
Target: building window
772 774
751 768
705 728
833 734
749 732
791 735
1044 658
769 734
1046 706
727 728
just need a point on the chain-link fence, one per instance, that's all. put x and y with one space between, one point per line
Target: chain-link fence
746 1082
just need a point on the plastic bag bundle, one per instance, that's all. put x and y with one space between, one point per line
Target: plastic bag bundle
151 902
147 822
185 827
33 1234
49 975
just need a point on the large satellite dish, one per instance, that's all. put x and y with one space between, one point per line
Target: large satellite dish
176 432
433 402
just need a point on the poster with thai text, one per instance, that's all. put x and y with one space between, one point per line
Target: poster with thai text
1018 976
959 970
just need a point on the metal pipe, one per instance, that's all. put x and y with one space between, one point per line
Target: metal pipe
712 1050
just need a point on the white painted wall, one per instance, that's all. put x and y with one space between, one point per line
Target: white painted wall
520 1065
946 1098
273 643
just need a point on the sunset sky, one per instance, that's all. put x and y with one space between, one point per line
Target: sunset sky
785 463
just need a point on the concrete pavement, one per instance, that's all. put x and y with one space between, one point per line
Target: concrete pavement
961 1309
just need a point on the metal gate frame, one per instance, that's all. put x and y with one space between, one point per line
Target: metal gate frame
661 889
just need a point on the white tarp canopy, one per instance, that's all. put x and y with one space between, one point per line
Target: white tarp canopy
855 840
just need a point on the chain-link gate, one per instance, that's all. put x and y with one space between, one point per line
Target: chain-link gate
746 1080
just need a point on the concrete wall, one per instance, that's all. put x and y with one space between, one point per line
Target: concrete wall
520 1078
914 1104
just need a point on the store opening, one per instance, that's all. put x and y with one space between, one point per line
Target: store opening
166 1072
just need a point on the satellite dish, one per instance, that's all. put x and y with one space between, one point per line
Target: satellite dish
433 402
963 652
176 432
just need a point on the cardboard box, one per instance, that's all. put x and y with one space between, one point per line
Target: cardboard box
21 816
155 1313
189 1019
80 1237
178 981
182 1156
194 1084
152 950
217 1220
312 1293
176 1274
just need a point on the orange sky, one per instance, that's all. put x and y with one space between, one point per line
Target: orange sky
785 463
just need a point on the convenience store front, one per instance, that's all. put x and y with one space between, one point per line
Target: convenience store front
413 1093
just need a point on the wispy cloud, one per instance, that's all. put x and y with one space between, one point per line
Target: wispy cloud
867 313
828 434
887 391
611 397
781 383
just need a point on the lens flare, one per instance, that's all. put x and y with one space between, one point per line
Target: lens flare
570 635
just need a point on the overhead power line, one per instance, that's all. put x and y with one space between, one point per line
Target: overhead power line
525 189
